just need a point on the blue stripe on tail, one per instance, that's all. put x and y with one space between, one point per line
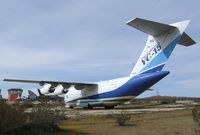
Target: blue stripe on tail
158 62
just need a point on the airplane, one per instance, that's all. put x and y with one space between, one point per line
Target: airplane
162 39
34 97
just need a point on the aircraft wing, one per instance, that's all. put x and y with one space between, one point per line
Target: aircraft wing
77 85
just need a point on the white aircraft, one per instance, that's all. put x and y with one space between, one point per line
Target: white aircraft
147 71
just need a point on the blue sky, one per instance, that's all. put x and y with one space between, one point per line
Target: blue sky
88 40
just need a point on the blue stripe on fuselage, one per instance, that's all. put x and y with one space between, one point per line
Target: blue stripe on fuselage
133 87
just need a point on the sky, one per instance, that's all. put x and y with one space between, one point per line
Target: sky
89 41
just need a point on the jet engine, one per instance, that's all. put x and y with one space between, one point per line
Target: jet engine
46 89
60 90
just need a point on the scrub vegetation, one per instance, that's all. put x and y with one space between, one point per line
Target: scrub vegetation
49 118
123 118
196 118
11 118
40 120
176 122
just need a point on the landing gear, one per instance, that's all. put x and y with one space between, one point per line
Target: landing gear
71 107
109 107
90 107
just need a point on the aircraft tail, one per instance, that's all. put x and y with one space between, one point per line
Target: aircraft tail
31 93
161 42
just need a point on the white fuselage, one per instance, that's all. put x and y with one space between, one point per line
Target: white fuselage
77 97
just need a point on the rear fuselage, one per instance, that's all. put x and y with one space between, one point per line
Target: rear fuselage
113 92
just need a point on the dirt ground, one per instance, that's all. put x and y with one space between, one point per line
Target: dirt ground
176 122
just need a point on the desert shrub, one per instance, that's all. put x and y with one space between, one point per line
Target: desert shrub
45 118
123 118
168 101
196 119
10 118
26 104
42 119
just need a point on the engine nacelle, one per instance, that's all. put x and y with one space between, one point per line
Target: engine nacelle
46 89
60 90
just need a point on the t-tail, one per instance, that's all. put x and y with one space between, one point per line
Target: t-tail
161 42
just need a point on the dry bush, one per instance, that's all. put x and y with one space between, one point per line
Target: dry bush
46 118
10 118
123 118
42 119
196 118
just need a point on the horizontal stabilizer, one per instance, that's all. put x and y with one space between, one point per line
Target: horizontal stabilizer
186 40
150 27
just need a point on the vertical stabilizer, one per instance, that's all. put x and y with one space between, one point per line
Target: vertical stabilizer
161 42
